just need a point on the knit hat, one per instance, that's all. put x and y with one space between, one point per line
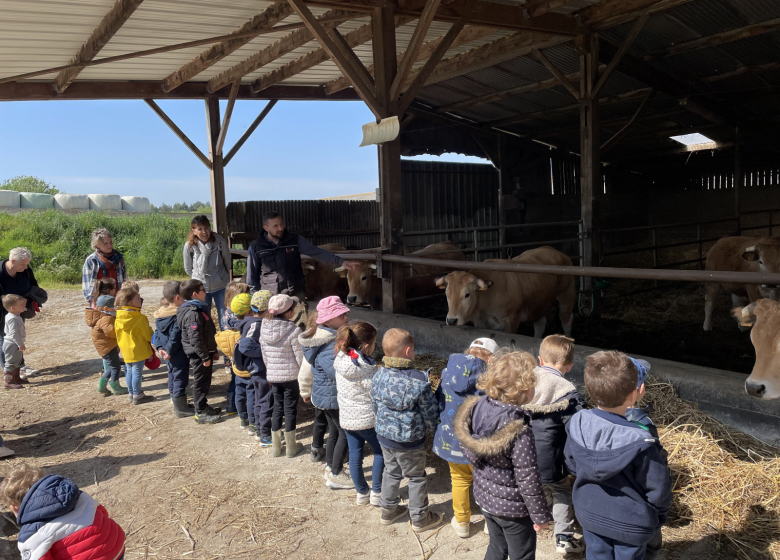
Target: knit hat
260 301
330 308
105 301
240 304
487 343
642 369
281 304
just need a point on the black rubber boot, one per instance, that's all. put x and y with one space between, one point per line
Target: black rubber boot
180 408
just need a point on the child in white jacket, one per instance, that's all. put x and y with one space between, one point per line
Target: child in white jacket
282 355
354 371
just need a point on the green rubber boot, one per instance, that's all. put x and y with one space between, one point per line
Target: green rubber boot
276 443
102 382
116 388
293 447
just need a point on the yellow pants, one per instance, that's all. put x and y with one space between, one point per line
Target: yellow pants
461 482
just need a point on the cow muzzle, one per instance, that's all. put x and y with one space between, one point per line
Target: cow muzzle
351 299
754 389
452 321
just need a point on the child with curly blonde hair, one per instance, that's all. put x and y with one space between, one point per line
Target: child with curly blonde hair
495 436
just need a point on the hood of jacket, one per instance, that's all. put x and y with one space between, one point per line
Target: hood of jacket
127 316
164 312
198 305
550 388
275 330
51 497
606 443
487 427
249 326
314 345
92 316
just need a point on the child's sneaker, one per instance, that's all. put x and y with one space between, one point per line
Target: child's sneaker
252 431
231 413
390 516
244 424
461 529
213 410
339 481
327 472
376 499
205 417
26 371
265 441
362 499
430 521
565 544
142 398
317 454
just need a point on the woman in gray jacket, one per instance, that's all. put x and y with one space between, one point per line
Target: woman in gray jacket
207 258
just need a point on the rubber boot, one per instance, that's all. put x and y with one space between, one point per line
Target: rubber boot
293 447
116 388
102 387
10 378
276 443
180 408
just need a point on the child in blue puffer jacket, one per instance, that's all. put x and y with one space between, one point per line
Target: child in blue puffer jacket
319 349
167 341
458 381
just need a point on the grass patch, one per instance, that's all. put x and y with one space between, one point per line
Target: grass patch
151 243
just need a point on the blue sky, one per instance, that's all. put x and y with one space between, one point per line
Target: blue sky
302 150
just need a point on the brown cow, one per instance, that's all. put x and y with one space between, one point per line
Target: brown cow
320 280
741 254
364 289
764 317
503 300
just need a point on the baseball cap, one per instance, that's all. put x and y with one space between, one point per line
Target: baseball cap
105 301
260 300
240 304
487 343
642 368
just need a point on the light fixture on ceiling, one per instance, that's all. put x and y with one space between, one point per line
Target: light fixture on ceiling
695 142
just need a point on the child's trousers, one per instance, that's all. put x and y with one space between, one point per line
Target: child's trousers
112 365
13 356
178 375
230 407
410 464
336 449
245 399
319 428
462 477
133 371
285 406
604 548
357 441
264 405
559 499
201 382
510 537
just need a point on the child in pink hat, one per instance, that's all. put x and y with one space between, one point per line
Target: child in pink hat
319 348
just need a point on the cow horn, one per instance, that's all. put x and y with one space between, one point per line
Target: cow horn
310 267
372 266
339 269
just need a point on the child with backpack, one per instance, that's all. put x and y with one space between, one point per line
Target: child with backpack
101 320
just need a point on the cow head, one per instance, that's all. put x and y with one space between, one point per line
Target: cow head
461 289
764 318
360 280
767 257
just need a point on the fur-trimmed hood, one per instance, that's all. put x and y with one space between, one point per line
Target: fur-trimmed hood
551 387
322 336
498 425
320 352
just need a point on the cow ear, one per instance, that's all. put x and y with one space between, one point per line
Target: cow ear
745 316
484 284
750 254
442 283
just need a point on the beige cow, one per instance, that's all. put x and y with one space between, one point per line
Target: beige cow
320 280
364 288
503 300
741 254
764 318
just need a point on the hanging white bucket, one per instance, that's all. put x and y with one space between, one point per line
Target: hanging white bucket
381 132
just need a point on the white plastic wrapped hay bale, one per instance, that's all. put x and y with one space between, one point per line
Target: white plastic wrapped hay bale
71 201
36 200
136 204
9 199
105 202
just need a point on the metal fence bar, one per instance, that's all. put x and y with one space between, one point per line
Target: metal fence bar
656 247
490 228
666 226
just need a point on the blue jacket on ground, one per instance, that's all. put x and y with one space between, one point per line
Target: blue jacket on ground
320 352
404 406
458 381
167 334
623 489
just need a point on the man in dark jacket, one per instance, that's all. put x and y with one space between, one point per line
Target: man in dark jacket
622 493
274 262
167 339
197 339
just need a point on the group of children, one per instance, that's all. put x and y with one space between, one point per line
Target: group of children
512 428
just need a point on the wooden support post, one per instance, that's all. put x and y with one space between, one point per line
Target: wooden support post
738 180
503 190
218 210
590 171
390 188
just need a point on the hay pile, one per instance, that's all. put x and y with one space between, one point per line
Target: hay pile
725 483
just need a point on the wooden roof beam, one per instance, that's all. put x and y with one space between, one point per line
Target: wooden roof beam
413 49
635 29
467 35
716 39
248 132
285 45
178 132
738 72
620 134
102 34
557 74
354 38
263 21
536 8
609 13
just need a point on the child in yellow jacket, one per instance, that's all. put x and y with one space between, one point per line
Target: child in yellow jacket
134 336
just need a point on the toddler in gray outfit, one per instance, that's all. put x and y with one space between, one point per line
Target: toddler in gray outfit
13 341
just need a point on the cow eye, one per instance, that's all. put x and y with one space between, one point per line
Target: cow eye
760 262
363 279
468 294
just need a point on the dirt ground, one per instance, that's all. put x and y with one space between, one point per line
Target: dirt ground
186 491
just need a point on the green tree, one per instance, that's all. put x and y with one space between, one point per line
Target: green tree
28 183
